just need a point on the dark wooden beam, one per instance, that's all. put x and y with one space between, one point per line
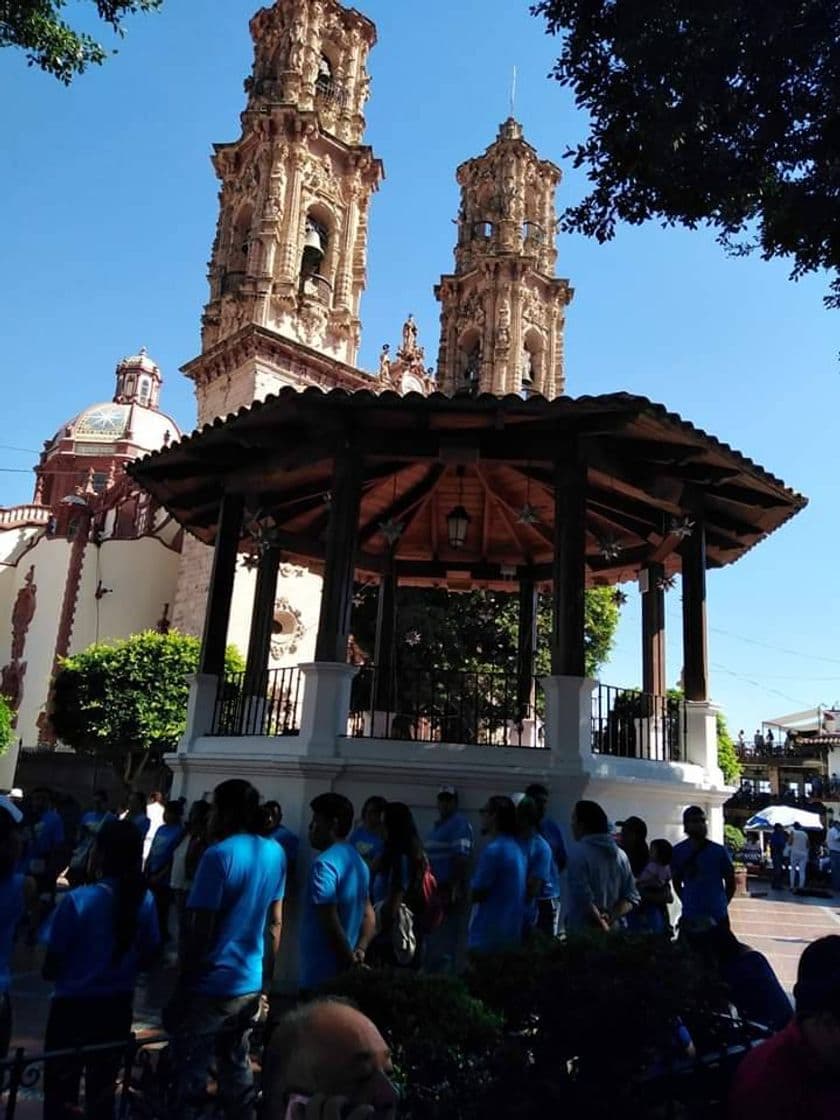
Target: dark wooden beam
568 649
262 623
695 641
337 593
653 631
217 617
526 647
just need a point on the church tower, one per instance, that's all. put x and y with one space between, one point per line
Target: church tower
289 257
503 309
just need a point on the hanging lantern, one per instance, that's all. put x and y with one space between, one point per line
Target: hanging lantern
457 524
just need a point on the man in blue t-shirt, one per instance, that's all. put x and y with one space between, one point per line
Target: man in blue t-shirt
337 923
274 828
553 835
159 862
238 887
449 846
368 838
89 826
704 880
500 881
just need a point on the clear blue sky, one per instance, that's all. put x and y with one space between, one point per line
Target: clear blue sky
109 206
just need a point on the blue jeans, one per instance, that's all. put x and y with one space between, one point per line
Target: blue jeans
213 1031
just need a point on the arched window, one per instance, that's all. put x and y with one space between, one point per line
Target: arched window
316 259
531 363
482 231
240 239
144 390
324 84
533 234
469 363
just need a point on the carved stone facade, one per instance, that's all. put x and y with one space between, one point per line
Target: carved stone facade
291 242
503 309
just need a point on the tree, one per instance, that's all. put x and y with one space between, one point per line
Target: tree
727 755
53 45
6 725
477 630
127 701
724 113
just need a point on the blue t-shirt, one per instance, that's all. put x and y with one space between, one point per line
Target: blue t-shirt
11 911
238 879
340 877
448 839
537 866
700 875
383 882
496 922
47 835
368 844
81 934
288 842
167 838
552 832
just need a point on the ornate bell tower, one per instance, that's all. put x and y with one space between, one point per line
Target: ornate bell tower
503 309
291 242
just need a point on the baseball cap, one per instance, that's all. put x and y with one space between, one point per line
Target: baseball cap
447 791
11 808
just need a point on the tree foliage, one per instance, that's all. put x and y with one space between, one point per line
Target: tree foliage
726 113
127 700
6 727
477 630
51 43
727 755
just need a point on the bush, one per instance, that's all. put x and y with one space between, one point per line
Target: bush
7 733
733 837
443 1040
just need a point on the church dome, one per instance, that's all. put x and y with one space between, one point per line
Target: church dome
132 417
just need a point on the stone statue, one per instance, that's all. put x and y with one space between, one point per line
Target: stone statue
409 336
385 363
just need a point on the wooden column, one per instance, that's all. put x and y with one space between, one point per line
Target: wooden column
526 647
386 622
569 569
342 531
216 620
262 623
653 632
695 656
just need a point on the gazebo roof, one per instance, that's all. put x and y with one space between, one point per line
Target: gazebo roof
649 474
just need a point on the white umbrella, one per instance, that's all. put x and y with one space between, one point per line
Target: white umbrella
786 816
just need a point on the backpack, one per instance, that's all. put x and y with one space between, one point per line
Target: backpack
431 908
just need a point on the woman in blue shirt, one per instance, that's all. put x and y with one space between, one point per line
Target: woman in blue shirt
398 881
99 938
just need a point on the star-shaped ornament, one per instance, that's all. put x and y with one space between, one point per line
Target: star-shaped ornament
682 527
391 530
528 515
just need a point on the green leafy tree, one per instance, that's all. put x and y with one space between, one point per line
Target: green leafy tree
477 630
727 755
126 701
52 44
721 113
6 725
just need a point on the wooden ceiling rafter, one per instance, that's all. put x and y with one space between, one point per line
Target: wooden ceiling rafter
407 506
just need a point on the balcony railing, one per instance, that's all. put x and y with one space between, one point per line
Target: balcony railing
331 93
781 751
445 706
272 707
632 724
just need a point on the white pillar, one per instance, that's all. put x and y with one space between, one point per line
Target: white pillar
701 738
326 705
568 720
8 765
201 706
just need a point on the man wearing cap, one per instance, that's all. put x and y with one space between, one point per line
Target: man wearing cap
796 1073
449 847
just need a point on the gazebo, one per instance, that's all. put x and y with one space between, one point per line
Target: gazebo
463 492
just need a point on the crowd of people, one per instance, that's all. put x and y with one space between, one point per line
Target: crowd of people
375 893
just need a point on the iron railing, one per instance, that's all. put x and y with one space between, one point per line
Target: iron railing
271 706
777 752
445 706
143 1077
632 724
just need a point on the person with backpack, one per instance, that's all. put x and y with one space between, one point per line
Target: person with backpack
401 891
99 938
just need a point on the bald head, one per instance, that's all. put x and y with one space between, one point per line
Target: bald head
329 1047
